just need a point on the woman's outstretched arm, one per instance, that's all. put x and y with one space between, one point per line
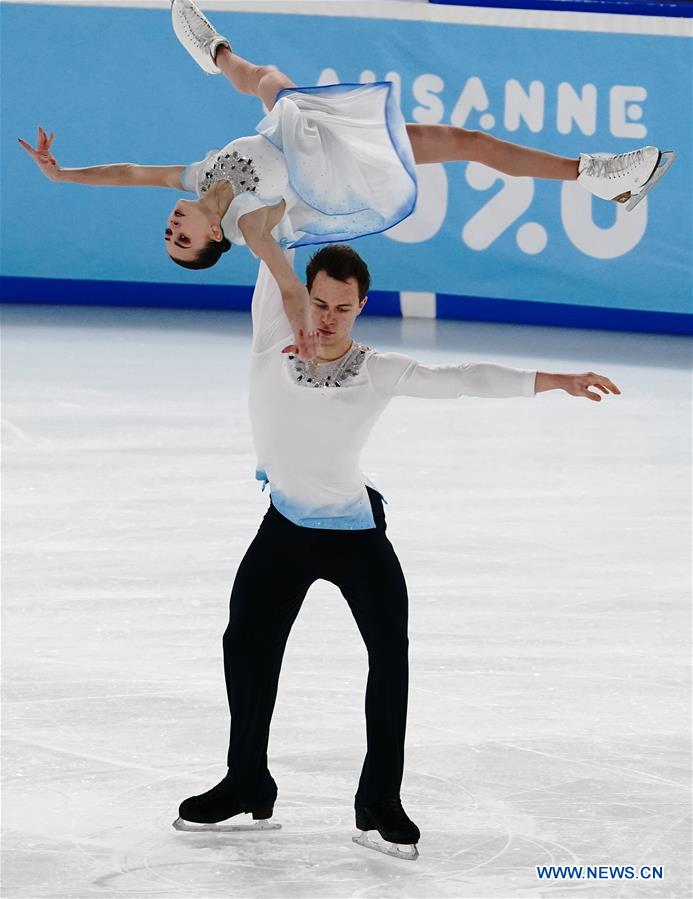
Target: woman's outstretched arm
254 227
119 174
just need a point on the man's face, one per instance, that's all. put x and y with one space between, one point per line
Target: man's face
334 306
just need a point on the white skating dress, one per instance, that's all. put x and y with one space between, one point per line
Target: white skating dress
338 155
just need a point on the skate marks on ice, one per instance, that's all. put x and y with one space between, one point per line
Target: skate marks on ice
311 857
98 838
552 801
503 807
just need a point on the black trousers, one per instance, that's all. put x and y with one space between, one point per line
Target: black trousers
281 563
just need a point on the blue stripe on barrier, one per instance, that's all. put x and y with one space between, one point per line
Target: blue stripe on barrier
380 302
383 302
123 293
171 296
562 315
673 9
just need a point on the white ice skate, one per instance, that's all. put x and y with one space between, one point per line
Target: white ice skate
221 827
625 177
197 34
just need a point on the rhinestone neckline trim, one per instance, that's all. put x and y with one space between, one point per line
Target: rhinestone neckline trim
328 374
233 167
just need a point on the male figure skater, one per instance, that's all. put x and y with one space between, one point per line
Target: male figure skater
310 421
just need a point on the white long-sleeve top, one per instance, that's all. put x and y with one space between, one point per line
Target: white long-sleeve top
309 439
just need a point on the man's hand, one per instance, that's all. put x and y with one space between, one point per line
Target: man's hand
576 385
307 346
42 155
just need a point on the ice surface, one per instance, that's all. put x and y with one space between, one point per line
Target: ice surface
546 544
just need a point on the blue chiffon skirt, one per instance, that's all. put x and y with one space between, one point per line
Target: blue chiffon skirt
350 164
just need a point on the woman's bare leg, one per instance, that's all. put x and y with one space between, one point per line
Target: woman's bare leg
446 143
261 81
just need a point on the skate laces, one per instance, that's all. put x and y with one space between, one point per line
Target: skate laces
613 166
198 24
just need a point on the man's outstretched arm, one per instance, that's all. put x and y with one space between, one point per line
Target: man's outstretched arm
394 374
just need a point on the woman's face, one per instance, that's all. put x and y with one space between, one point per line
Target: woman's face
189 230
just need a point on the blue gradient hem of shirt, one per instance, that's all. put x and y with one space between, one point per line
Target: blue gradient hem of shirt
358 517
261 475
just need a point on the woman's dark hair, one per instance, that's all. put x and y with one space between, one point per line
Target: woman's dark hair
340 262
208 256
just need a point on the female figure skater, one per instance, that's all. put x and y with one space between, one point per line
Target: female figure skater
328 164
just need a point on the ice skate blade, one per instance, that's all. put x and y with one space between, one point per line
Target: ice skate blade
180 824
665 162
394 850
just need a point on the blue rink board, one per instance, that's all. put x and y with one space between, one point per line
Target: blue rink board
487 247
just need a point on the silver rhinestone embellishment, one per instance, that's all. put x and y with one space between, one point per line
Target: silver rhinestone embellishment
239 170
328 374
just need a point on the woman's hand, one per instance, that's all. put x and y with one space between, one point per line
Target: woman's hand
42 155
306 347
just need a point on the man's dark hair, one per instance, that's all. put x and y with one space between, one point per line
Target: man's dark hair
208 256
340 262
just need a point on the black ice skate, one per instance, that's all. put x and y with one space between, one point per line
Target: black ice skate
211 811
398 832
